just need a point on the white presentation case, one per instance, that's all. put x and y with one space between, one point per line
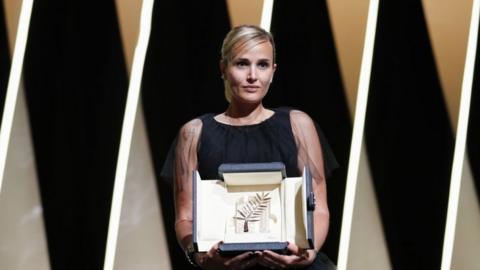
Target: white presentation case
252 206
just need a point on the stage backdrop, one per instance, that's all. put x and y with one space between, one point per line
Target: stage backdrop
76 82
76 79
409 137
4 59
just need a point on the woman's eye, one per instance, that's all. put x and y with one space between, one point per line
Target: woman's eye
241 64
263 65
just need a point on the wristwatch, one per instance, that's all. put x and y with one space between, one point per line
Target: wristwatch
190 254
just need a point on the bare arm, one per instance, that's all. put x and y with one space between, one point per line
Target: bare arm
185 164
310 156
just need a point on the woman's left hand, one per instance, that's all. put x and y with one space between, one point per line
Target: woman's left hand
298 258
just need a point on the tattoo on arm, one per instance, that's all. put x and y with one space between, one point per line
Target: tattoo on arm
186 155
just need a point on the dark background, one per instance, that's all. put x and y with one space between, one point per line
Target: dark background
473 136
409 137
76 84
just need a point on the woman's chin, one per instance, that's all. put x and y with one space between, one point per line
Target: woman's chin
250 99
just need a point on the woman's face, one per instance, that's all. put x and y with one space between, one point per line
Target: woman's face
250 73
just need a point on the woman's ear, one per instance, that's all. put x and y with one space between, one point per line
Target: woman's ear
273 73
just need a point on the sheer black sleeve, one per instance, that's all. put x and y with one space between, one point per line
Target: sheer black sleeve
307 135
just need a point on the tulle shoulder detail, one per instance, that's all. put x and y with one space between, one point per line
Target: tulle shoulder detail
167 171
271 140
330 162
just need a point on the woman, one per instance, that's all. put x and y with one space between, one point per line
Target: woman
249 132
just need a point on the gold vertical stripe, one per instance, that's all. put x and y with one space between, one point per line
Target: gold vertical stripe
245 12
128 14
14 82
368 248
21 220
461 139
447 25
127 132
357 135
141 241
12 14
348 20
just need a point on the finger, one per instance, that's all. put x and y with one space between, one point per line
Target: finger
242 261
241 257
214 250
296 250
293 249
283 259
250 262
278 260
270 263
308 253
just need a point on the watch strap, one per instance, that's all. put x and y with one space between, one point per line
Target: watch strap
190 254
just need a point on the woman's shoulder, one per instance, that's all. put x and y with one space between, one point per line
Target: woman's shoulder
198 121
296 115
192 127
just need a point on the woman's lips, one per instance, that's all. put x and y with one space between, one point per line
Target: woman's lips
251 88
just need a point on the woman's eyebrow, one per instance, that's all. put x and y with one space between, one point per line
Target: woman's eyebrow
242 59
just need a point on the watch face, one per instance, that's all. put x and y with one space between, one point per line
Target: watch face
190 248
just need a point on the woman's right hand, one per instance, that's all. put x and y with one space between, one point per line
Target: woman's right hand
213 260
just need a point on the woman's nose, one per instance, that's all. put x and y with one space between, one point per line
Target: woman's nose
252 74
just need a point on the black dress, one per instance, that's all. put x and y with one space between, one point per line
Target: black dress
269 141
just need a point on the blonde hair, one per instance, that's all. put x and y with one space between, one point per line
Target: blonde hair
240 38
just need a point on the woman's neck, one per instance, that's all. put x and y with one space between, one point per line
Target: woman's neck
245 114
244 110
